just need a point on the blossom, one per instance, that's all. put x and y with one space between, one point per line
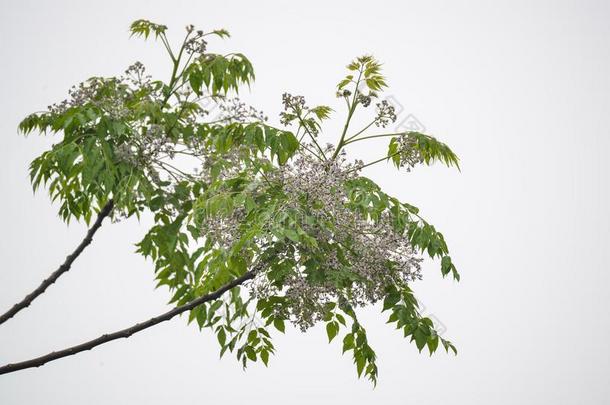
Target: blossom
409 154
386 113
358 258
234 110
110 95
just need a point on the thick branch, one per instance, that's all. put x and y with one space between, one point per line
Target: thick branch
62 269
125 333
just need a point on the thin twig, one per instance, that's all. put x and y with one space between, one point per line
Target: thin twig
352 140
62 269
125 333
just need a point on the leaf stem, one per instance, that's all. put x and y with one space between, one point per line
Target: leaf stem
376 161
311 136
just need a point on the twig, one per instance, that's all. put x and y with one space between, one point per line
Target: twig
62 269
125 333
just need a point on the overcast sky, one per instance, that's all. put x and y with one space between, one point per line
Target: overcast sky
519 90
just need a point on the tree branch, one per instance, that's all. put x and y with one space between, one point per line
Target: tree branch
125 333
62 269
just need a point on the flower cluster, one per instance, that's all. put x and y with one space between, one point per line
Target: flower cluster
364 99
137 79
293 107
344 93
110 95
233 110
79 95
409 154
359 257
386 114
196 44
148 147
291 102
224 230
374 255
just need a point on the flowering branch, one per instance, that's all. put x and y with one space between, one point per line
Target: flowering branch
228 188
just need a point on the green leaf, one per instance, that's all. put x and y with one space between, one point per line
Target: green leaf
222 33
279 324
201 316
264 356
250 353
322 112
332 328
445 265
144 28
432 150
221 335
360 362
391 299
432 343
448 346
291 234
421 338
348 342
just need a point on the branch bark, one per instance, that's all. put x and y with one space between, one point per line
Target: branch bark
125 333
62 269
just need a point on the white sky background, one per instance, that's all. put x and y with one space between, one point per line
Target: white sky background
521 92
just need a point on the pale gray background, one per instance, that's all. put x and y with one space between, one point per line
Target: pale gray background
520 90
